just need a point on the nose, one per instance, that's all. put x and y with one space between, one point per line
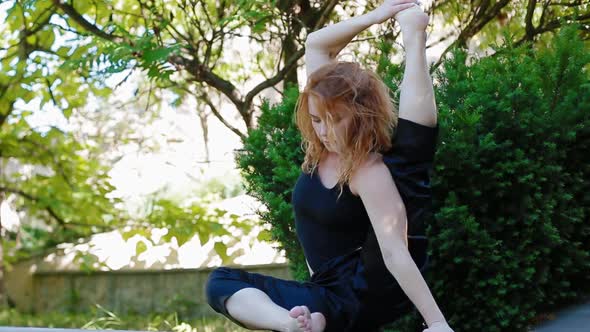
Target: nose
323 131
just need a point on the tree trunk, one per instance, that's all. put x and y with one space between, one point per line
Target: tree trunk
3 295
205 127
290 47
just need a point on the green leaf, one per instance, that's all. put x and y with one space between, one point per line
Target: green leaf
158 54
264 235
221 250
140 247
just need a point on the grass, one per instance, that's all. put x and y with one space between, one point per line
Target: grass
100 318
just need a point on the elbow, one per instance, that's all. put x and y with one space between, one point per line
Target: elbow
315 45
309 41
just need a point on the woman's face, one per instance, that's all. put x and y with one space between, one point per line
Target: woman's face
341 121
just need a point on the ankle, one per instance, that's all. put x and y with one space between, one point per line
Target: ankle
412 37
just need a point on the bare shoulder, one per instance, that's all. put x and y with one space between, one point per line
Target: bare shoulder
370 171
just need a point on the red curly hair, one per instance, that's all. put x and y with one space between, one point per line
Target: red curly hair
343 88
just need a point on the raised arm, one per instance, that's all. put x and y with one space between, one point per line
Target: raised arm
416 102
322 46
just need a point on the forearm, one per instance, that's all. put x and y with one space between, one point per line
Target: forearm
333 38
404 269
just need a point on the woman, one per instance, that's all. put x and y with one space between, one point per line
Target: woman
363 245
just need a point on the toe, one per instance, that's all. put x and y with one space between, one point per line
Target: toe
306 311
296 312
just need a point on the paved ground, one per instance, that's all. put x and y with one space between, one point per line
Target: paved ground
573 319
39 329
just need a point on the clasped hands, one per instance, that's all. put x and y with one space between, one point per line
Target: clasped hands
412 19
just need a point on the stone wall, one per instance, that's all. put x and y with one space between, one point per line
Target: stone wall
181 290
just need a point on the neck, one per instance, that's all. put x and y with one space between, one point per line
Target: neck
331 157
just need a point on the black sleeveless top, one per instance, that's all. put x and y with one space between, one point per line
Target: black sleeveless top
328 228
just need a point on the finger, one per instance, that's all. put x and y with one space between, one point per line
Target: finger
403 6
402 2
408 4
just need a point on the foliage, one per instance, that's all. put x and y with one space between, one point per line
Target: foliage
270 162
510 182
64 50
182 222
67 195
55 182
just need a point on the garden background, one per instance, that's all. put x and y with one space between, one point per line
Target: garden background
154 140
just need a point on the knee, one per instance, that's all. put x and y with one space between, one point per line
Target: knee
217 282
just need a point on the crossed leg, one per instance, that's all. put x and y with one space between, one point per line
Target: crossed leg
257 301
256 310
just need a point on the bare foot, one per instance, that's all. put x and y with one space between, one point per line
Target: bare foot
306 321
302 318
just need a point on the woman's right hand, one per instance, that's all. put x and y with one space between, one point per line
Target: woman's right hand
388 9
439 327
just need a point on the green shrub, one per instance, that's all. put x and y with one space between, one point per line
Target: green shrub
270 163
511 237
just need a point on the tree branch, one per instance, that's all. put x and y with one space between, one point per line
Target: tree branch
566 4
274 80
202 74
325 11
71 11
5 114
529 27
49 210
482 17
35 199
550 26
207 100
